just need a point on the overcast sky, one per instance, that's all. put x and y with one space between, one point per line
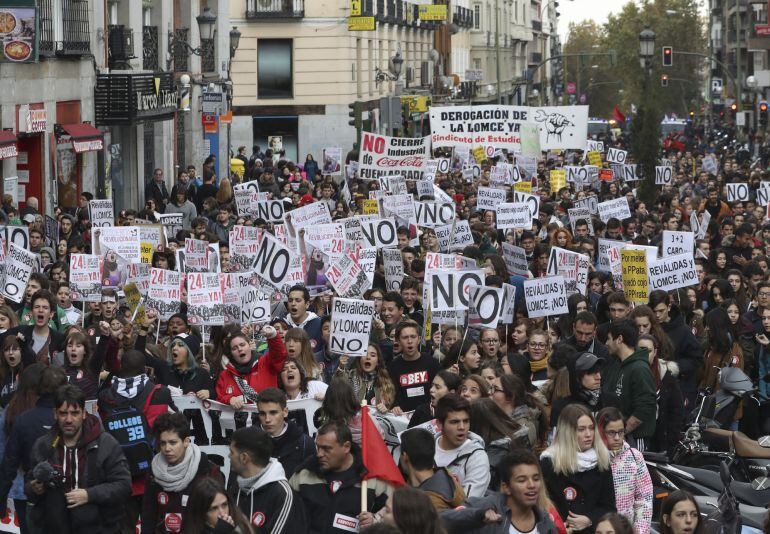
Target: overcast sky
579 10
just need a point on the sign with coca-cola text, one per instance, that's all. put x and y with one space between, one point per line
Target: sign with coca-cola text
383 156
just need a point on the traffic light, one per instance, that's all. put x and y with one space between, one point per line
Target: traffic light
664 80
734 108
668 56
355 112
763 113
692 114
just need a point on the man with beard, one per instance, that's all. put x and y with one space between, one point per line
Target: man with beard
583 337
94 482
714 206
330 484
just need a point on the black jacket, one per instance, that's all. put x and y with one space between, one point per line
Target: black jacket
56 345
323 506
670 423
595 347
590 493
154 511
687 353
158 193
270 504
103 473
191 381
26 430
292 448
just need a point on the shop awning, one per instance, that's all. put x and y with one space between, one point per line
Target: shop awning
85 138
8 145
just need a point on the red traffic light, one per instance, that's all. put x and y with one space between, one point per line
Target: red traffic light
668 56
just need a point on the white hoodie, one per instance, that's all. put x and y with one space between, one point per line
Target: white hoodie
468 462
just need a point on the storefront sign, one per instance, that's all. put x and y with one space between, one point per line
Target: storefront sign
32 120
8 147
134 97
88 145
18 34
431 12
361 24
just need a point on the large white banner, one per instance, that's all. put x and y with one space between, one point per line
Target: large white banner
459 126
381 155
562 127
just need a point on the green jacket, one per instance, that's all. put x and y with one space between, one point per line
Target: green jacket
632 383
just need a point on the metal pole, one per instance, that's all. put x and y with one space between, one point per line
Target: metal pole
739 72
710 92
497 49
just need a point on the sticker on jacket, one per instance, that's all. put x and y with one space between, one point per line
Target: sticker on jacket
345 522
258 519
570 493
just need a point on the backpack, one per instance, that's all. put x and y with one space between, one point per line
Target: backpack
129 426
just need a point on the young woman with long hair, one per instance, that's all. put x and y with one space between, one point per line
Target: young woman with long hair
614 523
298 385
13 360
211 511
633 486
576 469
464 358
444 382
411 510
510 394
298 348
370 379
82 363
647 323
8 318
500 433
679 514
340 405
474 387
723 350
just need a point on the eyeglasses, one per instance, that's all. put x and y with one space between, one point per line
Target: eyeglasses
764 294
538 345
615 433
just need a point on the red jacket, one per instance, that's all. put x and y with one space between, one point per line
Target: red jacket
264 373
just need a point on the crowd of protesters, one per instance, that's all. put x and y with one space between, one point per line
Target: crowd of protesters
535 425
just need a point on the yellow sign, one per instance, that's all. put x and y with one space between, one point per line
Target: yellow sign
371 207
523 187
355 8
417 103
478 154
147 249
361 24
133 298
595 158
558 179
635 282
432 12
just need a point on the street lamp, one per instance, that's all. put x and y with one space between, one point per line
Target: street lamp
206 23
394 69
235 40
645 126
646 48
206 28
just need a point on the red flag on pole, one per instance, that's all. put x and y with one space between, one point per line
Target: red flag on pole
377 458
617 115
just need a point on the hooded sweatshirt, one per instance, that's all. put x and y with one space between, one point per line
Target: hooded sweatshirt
632 383
269 503
471 517
468 462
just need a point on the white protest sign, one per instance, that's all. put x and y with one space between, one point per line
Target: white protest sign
379 233
509 303
367 259
309 215
138 274
19 265
396 184
247 196
393 264
443 165
86 277
485 306
594 146
429 169
347 278
449 290
572 266
575 174
591 203
664 174
615 155
675 243
673 272
269 210
737 192
545 297
195 256
205 304
582 215
616 208
489 198
514 215
603 253
102 213
455 236
515 259
274 263
253 304
628 173
164 294
381 155
433 214
763 195
531 200
328 238
700 226
424 189
351 326
561 127
463 126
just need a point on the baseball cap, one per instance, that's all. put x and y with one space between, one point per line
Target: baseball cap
587 361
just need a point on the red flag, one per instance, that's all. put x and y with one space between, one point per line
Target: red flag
618 115
375 454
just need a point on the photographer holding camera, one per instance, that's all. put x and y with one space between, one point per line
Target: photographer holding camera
81 479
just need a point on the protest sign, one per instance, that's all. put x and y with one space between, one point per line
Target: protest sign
531 200
488 198
485 306
449 290
627 172
351 326
582 215
590 202
675 243
274 264
164 294
269 210
367 260
379 233
150 239
85 278
242 253
616 208
455 236
700 226
514 215
545 297
424 189
247 196
595 158
429 170
737 192
401 209
231 298
509 303
347 278
172 223
604 247
523 187
515 259
396 184
606 175
664 174
597 146
561 127
309 215
572 266
323 242
332 161
433 214
371 207
498 176
763 195
672 272
139 275
461 126
381 155
615 155
101 213
205 305
577 175
634 272
394 268
195 256
557 179
51 231
19 265
118 246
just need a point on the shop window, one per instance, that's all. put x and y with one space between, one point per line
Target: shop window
275 68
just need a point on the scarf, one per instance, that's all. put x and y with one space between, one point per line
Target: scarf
587 460
538 365
591 396
246 483
131 386
177 477
243 368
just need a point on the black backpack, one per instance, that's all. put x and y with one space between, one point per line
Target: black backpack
128 425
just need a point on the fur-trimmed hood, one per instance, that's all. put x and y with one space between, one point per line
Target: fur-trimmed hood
668 366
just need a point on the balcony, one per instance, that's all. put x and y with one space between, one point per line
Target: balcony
463 17
150 48
71 19
274 9
537 25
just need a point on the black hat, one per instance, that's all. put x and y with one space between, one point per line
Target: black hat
587 361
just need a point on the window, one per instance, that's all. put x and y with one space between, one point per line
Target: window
64 27
476 17
274 68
